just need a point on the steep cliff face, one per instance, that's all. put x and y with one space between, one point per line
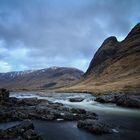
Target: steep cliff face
114 67
106 52
112 51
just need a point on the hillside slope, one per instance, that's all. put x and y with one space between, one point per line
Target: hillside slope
114 67
49 78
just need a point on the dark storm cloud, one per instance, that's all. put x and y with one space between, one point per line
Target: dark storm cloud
43 33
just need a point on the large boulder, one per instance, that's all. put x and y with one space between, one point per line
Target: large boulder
94 126
120 99
110 98
129 101
76 99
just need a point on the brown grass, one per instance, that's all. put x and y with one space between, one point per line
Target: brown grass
122 75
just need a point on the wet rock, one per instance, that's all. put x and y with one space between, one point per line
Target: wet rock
120 99
69 116
81 114
31 135
44 113
4 94
15 109
129 101
91 115
30 101
23 131
94 126
111 98
76 99
78 111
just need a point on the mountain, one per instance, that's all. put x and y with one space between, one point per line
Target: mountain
114 67
49 78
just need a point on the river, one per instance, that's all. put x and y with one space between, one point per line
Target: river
126 121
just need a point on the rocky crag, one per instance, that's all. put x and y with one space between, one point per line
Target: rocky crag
114 67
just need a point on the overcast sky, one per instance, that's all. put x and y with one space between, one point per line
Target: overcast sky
38 34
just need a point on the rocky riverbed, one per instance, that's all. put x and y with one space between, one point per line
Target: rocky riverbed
29 110
14 109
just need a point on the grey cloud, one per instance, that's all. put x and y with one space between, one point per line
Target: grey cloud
63 32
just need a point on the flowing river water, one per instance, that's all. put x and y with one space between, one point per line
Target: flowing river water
125 120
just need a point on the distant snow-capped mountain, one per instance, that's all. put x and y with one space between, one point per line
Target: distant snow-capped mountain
48 78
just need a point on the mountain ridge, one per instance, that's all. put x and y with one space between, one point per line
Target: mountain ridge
39 79
115 66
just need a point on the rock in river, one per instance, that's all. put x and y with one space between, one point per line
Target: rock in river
120 99
23 131
76 99
94 126
20 109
